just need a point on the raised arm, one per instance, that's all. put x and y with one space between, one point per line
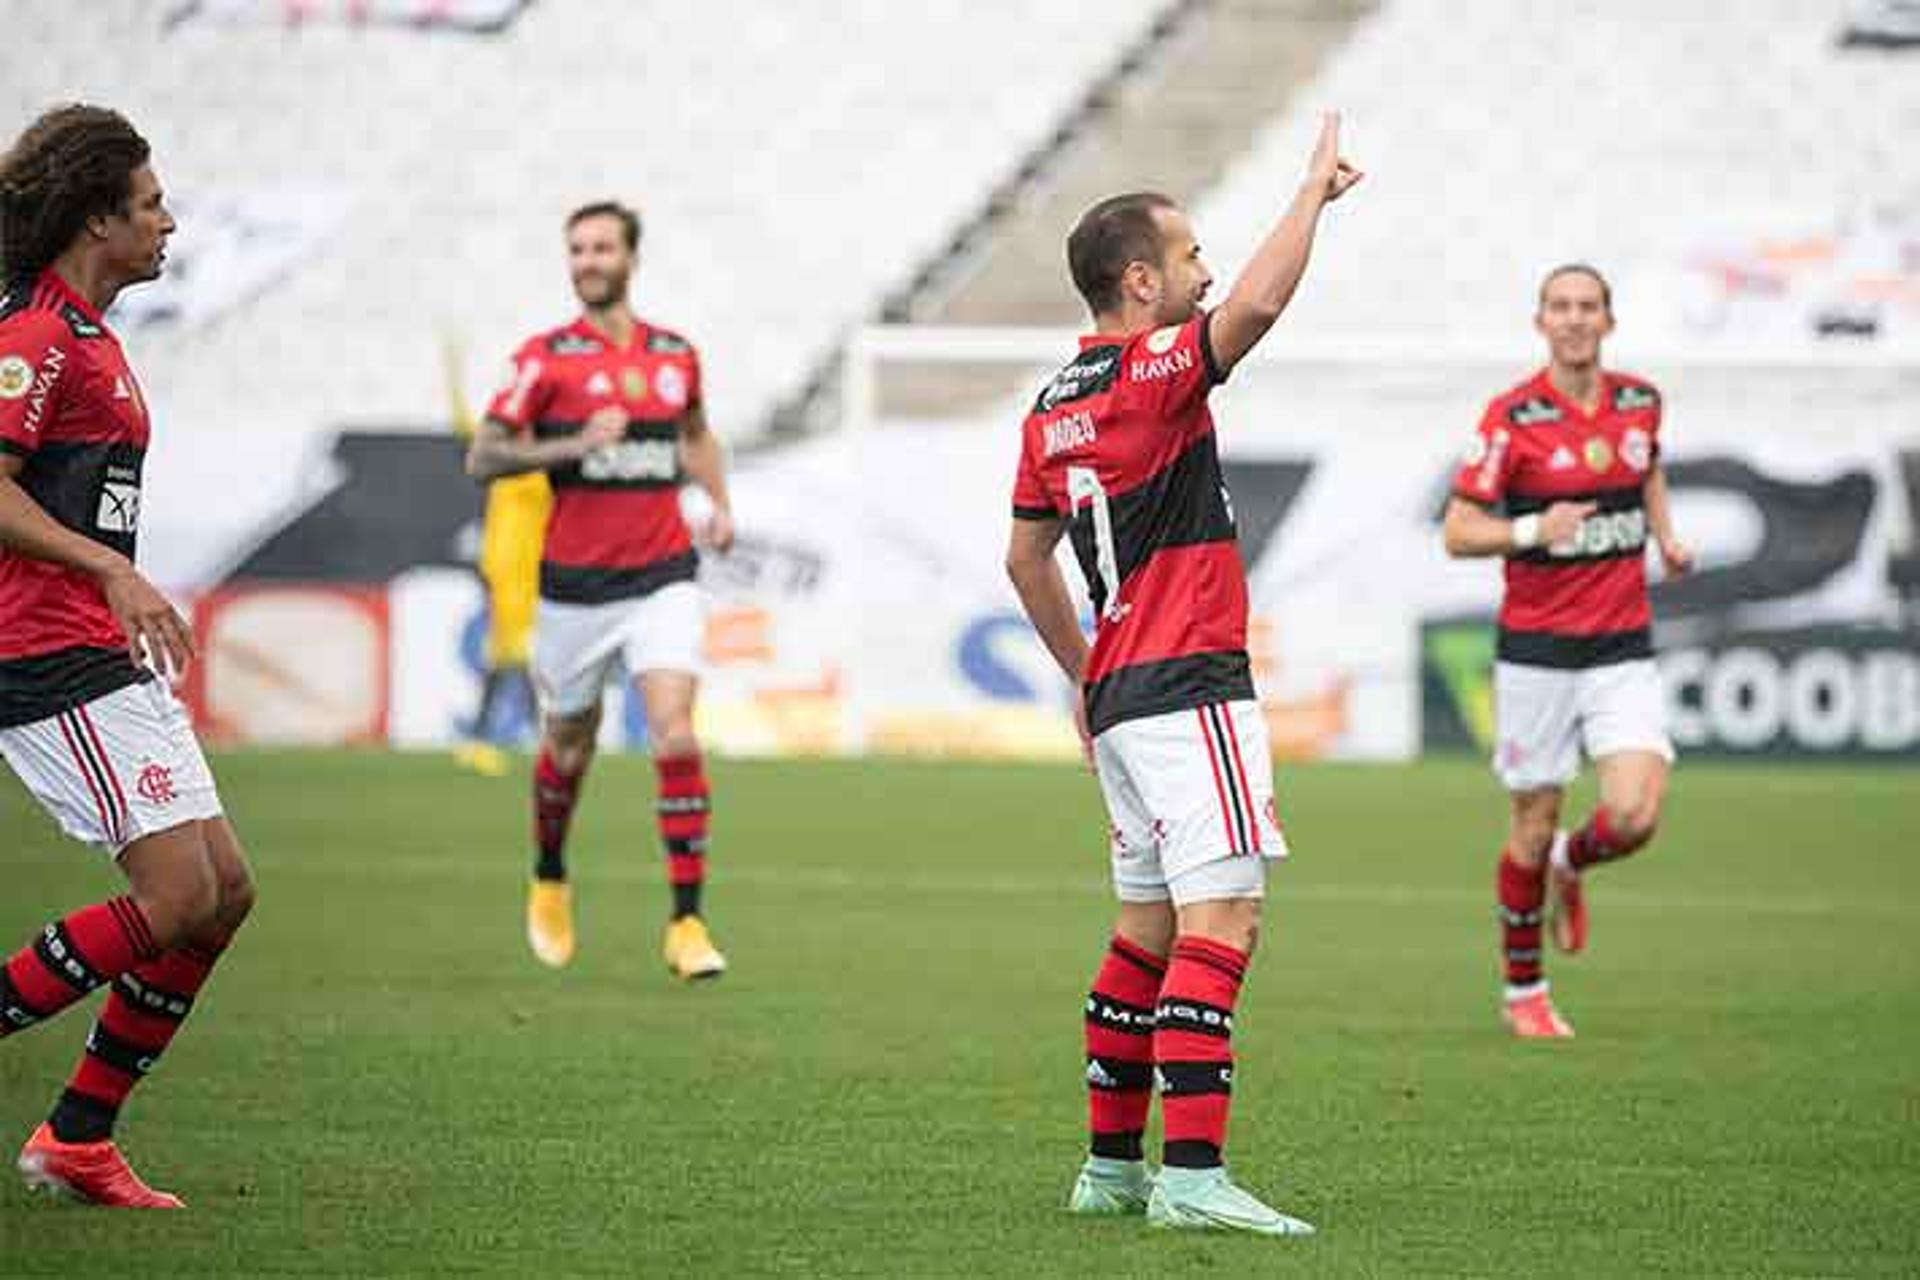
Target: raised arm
1267 282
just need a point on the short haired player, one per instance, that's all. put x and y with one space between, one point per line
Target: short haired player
1118 455
86 720
610 406
1563 481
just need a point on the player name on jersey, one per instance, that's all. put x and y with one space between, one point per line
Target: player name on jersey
1120 444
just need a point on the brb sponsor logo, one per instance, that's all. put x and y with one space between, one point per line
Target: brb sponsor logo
1828 691
1606 534
629 460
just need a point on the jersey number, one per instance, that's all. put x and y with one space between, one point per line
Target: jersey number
1083 485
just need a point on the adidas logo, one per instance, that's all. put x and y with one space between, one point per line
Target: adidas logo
1099 1076
1561 460
600 384
120 389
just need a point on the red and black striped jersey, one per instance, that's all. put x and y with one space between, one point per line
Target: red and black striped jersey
1121 445
1584 603
616 530
71 409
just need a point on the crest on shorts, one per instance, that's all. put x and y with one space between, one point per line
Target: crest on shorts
155 784
16 375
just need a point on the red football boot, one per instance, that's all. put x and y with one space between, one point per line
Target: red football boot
90 1172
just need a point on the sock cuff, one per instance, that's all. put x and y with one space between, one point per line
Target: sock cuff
547 771
1138 956
1230 962
686 768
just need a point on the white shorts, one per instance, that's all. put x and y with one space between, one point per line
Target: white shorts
122 766
1190 795
577 646
1545 715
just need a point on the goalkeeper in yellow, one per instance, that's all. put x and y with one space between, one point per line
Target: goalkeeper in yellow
512 529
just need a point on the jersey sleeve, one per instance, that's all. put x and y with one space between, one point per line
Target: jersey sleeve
1487 465
1030 498
36 363
526 390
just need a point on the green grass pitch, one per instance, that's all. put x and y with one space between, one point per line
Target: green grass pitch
381 1080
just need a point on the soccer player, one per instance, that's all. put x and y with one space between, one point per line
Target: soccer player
610 407
512 528
1563 479
1118 454
85 719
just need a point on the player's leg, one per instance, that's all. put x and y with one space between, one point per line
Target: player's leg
566 751
574 645
683 807
1118 1021
134 781
74 1151
1623 724
124 773
1538 754
663 646
1208 774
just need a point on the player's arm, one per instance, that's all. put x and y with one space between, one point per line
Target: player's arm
498 450
1267 282
1042 589
1674 554
152 625
1474 530
705 463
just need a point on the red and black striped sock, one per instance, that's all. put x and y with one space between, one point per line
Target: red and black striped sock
70 958
1522 892
142 1014
1193 1049
554 795
1598 842
684 803
1119 1030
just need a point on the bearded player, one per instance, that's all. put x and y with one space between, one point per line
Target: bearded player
86 720
610 407
1563 480
1118 455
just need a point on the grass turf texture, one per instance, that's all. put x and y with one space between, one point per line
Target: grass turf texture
381 1080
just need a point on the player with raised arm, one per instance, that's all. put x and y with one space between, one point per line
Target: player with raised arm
1563 480
1118 454
611 407
85 721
